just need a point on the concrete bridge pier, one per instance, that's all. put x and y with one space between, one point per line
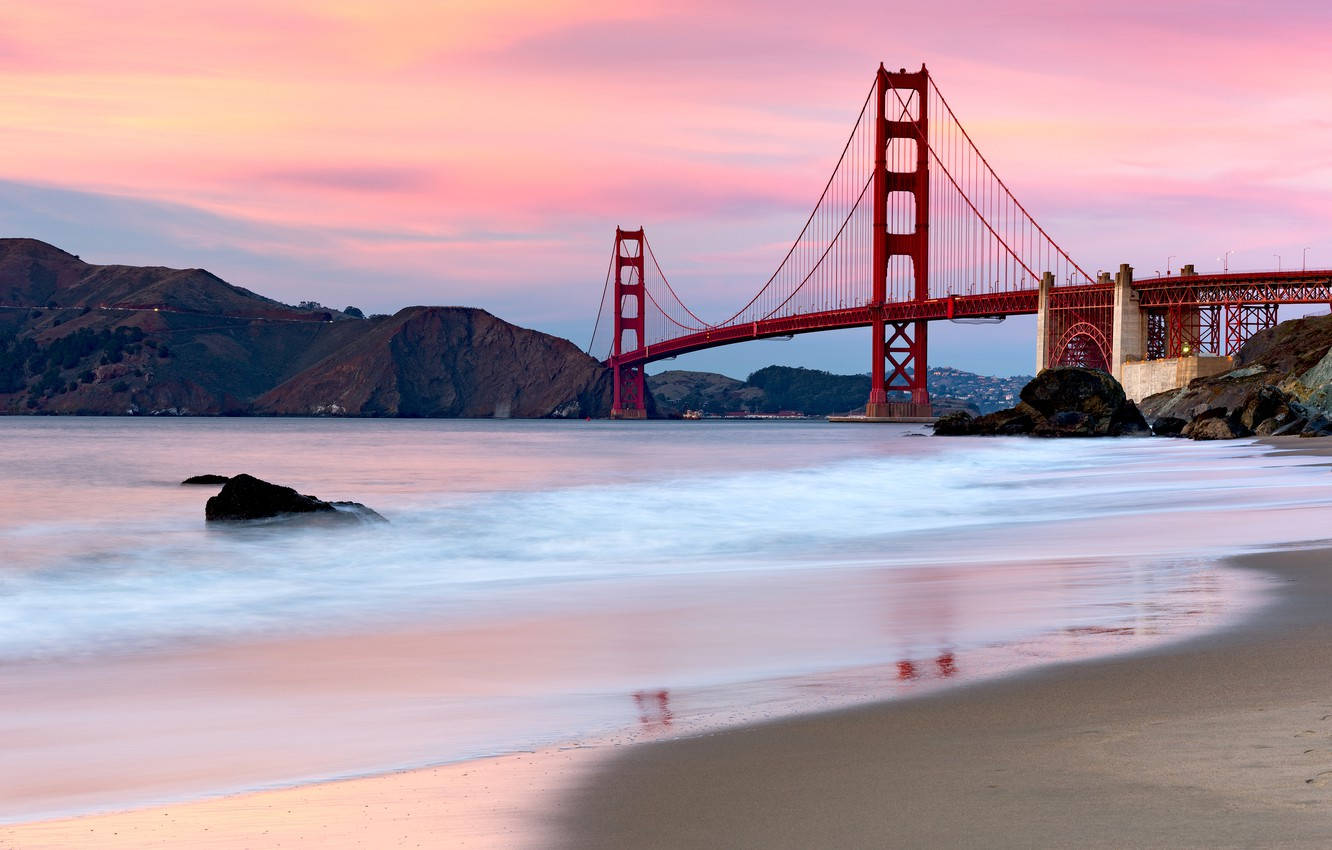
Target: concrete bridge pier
1043 322
1128 324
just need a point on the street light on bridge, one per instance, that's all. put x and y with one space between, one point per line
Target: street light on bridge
1168 259
1225 261
1304 260
1278 259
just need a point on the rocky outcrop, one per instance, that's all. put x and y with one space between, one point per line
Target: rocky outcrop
245 497
206 479
1282 386
1061 402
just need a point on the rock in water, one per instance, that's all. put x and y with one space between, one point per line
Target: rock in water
956 424
245 497
206 479
1060 402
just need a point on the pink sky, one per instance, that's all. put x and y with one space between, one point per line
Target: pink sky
387 153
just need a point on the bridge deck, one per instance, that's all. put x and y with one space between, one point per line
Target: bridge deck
1302 287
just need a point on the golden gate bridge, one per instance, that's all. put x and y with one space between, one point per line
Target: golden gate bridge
914 226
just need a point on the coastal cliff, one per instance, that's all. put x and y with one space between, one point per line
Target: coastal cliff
78 338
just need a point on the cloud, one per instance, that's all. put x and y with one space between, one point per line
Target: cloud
369 178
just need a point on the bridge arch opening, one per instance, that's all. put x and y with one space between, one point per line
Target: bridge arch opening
1083 345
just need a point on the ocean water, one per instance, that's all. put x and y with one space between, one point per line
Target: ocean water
549 582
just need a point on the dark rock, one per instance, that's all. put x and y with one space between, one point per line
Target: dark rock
1168 426
1062 402
959 423
1007 423
1088 391
1128 421
1212 428
1273 428
206 479
1070 420
1266 402
359 511
245 497
1318 426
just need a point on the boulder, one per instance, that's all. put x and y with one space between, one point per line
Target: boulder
1266 402
206 479
1168 426
1061 402
1011 422
959 423
245 497
1317 426
1215 428
1089 391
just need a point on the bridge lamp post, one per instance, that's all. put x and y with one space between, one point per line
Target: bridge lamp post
1304 260
1225 261
1168 259
1278 259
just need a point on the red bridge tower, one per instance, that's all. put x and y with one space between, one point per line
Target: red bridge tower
630 394
899 348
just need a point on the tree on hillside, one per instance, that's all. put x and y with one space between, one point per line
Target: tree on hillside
810 391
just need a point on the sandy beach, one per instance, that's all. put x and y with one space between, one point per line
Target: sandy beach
1221 741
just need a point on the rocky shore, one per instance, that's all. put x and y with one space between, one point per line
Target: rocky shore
1063 402
1281 386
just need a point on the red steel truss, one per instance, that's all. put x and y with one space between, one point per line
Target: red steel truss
914 226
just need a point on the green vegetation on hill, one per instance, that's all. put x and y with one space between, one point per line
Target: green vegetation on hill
810 391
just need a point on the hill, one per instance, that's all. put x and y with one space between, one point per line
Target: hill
83 338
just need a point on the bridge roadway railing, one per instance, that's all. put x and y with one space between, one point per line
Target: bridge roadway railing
1258 287
1013 303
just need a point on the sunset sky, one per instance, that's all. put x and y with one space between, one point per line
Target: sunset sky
391 153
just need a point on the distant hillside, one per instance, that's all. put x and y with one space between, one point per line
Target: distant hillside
82 338
33 273
818 393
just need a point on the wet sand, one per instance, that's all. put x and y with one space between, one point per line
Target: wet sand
1220 741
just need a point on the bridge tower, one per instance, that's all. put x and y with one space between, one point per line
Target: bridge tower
629 393
899 361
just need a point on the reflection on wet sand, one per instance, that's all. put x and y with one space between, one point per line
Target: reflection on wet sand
654 710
